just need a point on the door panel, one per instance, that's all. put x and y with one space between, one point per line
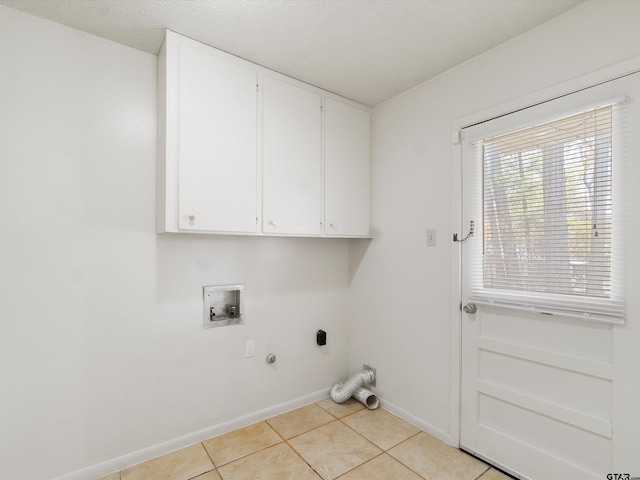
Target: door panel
522 456
536 389
544 378
528 395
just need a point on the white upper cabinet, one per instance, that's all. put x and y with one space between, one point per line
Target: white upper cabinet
346 170
291 159
217 151
210 146
245 150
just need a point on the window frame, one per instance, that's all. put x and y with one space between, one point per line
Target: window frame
608 310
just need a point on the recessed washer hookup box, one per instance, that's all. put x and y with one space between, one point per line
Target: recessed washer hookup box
222 305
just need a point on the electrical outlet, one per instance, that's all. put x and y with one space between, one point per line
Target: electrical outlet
367 367
249 349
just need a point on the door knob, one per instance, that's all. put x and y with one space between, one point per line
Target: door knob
470 308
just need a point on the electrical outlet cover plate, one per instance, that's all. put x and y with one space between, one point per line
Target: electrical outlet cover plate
222 305
249 348
431 237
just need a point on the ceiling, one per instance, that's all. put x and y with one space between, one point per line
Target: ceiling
366 50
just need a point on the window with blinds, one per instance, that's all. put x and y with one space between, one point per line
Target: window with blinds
547 232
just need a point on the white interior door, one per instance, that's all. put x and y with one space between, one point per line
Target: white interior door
537 389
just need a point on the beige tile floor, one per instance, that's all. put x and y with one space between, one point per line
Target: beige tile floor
325 441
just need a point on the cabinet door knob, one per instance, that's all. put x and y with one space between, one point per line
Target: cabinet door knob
192 218
332 225
273 224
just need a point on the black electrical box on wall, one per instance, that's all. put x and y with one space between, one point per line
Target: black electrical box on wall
321 337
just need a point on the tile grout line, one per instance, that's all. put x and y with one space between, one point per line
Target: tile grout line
336 419
483 473
298 453
303 459
358 466
286 441
382 451
398 460
272 428
215 467
340 419
306 431
354 430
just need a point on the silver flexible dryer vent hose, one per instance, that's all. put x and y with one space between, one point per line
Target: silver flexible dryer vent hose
367 397
341 392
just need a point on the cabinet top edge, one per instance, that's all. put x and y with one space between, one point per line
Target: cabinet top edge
261 70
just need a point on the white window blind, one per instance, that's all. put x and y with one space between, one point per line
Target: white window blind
548 230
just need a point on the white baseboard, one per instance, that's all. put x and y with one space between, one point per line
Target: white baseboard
418 422
163 448
124 461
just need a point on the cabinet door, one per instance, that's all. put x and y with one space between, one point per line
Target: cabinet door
217 143
346 170
291 159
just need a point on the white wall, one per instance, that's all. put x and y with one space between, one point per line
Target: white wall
401 289
102 350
